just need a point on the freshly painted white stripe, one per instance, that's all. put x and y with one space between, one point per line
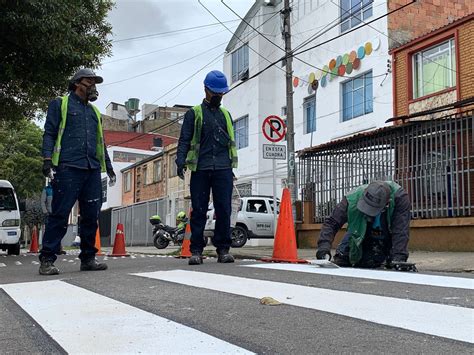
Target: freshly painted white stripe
423 317
394 276
85 322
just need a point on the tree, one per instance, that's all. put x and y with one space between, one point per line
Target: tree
42 44
20 156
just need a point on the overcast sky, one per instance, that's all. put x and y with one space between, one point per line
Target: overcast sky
135 18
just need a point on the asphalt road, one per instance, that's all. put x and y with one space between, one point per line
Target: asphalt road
171 308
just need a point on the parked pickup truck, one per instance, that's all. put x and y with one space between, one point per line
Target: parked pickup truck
252 218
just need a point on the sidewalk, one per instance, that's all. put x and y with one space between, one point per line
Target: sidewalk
425 261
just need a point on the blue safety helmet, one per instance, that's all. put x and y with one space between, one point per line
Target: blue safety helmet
216 82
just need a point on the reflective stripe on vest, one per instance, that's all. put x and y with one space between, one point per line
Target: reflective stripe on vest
193 154
100 152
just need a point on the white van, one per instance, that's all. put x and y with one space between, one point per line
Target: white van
9 219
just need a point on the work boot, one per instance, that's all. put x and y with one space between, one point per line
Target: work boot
47 268
224 257
195 259
93 265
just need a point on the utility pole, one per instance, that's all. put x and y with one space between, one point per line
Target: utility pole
290 133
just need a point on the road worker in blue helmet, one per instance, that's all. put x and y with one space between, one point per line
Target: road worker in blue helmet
207 149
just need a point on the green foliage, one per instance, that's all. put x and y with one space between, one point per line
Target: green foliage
42 44
20 156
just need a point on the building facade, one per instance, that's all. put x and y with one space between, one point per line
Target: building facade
166 119
354 91
156 178
434 69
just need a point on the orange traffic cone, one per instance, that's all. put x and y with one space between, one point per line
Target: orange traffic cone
34 248
97 243
185 251
284 247
119 242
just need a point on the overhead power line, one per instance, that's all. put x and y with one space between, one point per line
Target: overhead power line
172 31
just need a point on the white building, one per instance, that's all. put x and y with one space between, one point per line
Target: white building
356 97
121 157
118 111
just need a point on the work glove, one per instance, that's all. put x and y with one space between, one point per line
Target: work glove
112 177
48 169
322 253
181 171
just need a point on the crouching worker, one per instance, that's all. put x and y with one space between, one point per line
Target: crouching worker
378 218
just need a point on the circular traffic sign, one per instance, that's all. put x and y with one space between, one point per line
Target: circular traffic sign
274 128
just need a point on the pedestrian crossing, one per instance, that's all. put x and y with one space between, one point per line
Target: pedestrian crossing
76 317
424 317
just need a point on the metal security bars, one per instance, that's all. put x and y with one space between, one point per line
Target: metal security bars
432 159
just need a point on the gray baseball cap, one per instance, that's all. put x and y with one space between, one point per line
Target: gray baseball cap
374 199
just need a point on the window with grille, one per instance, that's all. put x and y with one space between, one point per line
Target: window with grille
353 12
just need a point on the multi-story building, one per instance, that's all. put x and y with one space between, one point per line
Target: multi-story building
355 84
166 119
155 178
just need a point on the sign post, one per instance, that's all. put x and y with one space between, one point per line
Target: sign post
274 130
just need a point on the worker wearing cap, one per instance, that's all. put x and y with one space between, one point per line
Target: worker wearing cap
378 225
74 156
207 148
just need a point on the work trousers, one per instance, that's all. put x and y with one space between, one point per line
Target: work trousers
71 185
221 183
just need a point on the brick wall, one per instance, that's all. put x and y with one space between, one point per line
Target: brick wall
465 71
423 17
466 46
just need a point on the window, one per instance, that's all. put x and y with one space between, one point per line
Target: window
257 206
357 97
157 171
127 182
7 199
283 111
145 175
114 107
241 132
240 62
173 168
434 69
309 108
353 12
126 157
174 115
104 190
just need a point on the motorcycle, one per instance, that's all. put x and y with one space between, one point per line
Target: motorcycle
164 234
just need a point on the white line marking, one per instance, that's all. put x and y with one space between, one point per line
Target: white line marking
18 263
394 276
83 321
423 317
3 265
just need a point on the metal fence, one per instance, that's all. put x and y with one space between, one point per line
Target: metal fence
433 160
134 218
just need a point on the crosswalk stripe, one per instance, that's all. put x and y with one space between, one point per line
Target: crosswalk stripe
82 321
423 317
394 276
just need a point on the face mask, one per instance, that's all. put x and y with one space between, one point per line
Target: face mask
215 100
91 92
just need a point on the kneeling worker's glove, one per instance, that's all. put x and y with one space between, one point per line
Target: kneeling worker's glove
322 253
181 171
112 177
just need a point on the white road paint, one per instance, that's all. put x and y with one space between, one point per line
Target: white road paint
394 276
18 263
83 321
430 318
3 265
